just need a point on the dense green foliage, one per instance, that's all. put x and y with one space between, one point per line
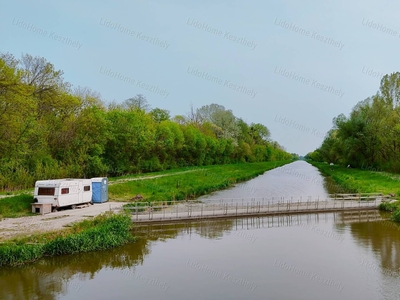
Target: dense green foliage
100 234
191 184
370 137
389 206
103 232
16 206
392 207
50 130
396 215
14 254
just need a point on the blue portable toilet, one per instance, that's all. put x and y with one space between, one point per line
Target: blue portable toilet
99 189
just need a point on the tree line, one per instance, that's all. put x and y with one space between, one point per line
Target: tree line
50 129
369 137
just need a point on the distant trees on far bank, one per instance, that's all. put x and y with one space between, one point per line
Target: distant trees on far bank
370 136
49 129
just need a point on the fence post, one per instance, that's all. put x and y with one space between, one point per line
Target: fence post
149 208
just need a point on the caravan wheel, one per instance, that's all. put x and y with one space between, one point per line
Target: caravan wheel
73 206
54 209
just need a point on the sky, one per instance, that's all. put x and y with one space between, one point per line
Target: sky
290 65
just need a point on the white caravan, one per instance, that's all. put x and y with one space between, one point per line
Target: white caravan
63 192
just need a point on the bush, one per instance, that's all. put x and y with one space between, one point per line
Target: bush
387 206
107 232
396 215
13 254
103 232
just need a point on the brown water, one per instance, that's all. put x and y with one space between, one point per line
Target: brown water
313 256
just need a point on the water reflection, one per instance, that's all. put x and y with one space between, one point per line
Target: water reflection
358 249
52 278
383 238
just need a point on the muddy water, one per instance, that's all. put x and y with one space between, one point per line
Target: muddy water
313 256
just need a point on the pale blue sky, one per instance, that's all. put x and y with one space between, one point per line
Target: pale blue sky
154 46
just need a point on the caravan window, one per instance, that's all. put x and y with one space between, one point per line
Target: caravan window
65 191
46 191
86 188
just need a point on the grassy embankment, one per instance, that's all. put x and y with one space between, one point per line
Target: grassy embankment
365 181
107 231
16 206
178 184
102 232
190 185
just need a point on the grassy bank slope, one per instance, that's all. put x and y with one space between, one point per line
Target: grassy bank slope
16 206
179 184
361 181
189 185
364 181
103 232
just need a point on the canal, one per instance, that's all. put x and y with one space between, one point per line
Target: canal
295 180
343 255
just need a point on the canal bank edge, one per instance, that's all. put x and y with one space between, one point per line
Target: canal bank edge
103 232
30 248
365 181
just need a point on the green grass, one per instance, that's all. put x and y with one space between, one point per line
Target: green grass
144 175
176 185
190 185
103 232
364 181
396 216
16 206
361 181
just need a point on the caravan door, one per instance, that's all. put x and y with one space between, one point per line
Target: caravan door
80 191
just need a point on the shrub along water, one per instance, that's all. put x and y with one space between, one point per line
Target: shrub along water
392 207
396 215
389 206
103 232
